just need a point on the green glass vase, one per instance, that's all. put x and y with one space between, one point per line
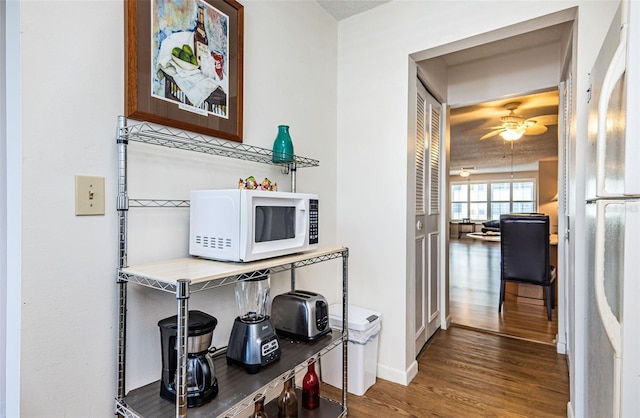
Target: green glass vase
283 146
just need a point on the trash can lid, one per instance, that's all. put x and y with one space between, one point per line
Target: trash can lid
360 319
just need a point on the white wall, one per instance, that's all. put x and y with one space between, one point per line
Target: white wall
372 123
3 215
72 92
508 74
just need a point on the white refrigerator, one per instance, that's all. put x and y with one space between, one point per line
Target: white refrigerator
612 375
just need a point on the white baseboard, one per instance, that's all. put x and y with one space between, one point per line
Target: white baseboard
561 348
570 413
398 376
446 323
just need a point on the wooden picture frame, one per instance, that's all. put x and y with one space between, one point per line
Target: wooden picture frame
185 88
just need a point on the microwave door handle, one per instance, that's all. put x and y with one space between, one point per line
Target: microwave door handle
300 225
614 72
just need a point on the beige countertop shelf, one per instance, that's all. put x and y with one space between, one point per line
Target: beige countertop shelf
205 274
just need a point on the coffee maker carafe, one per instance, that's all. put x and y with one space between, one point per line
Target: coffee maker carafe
202 384
253 342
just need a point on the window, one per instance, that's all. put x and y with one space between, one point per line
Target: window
500 199
478 201
459 207
489 200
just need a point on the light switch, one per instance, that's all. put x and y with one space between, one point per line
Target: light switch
89 195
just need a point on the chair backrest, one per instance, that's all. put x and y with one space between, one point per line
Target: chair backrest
524 248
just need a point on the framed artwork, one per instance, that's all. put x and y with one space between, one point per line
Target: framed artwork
183 64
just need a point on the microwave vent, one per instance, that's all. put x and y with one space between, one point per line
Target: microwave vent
213 242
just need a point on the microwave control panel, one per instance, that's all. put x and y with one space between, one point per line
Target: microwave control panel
313 221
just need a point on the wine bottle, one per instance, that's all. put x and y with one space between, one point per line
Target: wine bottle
200 40
311 387
258 407
288 400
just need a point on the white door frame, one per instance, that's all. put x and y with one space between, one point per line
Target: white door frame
10 207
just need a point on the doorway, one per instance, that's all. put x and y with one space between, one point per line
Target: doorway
499 175
463 87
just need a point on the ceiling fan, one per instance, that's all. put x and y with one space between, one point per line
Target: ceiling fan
513 127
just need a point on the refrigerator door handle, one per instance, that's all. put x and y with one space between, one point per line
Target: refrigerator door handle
615 71
609 321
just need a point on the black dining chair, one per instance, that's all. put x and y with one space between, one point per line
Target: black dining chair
524 250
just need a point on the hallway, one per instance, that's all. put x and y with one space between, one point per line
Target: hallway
466 373
474 274
485 364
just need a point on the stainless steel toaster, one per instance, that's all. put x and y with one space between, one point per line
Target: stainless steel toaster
300 315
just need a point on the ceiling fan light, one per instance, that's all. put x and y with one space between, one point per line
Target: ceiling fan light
464 173
512 134
511 120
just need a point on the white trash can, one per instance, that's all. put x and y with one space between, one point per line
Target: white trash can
364 328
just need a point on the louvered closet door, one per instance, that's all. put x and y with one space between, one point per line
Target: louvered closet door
427 216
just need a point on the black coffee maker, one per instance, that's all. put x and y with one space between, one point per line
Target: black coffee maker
202 384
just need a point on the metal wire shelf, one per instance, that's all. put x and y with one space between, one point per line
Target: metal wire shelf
236 394
171 138
158 203
268 389
182 283
157 284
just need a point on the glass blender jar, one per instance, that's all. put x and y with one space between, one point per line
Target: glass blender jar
253 342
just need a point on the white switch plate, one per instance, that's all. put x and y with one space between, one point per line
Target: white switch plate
89 195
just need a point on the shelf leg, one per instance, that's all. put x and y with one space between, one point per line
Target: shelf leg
122 207
182 295
123 198
292 171
122 336
345 326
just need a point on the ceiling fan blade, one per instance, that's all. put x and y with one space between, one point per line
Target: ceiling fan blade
545 120
490 134
535 129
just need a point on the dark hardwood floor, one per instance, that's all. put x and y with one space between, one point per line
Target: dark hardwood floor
486 364
468 373
474 275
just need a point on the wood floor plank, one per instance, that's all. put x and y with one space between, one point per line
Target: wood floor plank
474 276
467 373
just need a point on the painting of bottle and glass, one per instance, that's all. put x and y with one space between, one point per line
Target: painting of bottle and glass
189 56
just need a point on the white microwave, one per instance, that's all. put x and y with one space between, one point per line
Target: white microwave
248 225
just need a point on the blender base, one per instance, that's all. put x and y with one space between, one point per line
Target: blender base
253 345
250 368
